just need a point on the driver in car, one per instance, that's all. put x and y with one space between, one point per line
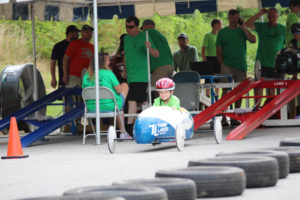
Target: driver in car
165 88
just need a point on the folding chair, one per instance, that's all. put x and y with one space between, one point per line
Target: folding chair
187 89
89 93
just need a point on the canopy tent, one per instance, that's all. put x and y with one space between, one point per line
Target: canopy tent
78 10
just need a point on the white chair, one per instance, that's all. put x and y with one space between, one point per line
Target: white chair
89 93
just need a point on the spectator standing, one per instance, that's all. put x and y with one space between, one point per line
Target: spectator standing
186 54
231 50
135 46
208 51
163 65
271 37
292 18
58 53
77 57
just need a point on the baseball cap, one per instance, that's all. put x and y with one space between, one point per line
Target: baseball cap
182 35
72 28
148 22
86 27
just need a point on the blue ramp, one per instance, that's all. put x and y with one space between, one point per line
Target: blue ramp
52 125
39 104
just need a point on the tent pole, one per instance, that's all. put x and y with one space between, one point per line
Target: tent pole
149 72
96 61
35 86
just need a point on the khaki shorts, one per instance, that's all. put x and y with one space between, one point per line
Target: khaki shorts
73 81
237 74
161 72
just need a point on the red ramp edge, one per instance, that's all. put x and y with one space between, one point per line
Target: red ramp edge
224 102
267 111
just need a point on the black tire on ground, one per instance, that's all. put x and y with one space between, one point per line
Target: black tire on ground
281 157
290 142
75 198
127 192
17 90
211 181
176 188
260 171
294 156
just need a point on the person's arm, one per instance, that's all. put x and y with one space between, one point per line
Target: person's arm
204 45
177 103
193 55
66 63
52 70
250 22
153 52
175 63
118 89
203 53
249 35
125 68
219 55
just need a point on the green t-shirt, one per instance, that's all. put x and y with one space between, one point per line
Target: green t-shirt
162 45
233 43
109 80
136 57
174 102
290 20
182 59
270 41
209 42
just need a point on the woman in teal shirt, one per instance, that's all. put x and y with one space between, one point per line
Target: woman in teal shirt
108 79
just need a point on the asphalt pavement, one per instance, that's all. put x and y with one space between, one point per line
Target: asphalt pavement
64 163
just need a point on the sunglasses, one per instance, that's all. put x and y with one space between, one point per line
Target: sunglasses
130 27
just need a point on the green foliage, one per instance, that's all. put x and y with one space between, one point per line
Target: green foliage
48 33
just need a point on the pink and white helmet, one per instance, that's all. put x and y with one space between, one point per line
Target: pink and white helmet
164 84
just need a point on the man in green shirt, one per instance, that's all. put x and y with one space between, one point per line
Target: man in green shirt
184 55
163 65
231 49
208 51
135 47
292 18
271 37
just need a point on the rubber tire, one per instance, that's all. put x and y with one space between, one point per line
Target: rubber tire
290 142
211 181
217 132
111 139
17 91
86 197
294 156
128 192
257 70
176 188
281 157
179 137
260 171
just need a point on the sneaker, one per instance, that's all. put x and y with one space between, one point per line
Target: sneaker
129 129
125 136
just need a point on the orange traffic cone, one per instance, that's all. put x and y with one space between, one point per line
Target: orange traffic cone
14 148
